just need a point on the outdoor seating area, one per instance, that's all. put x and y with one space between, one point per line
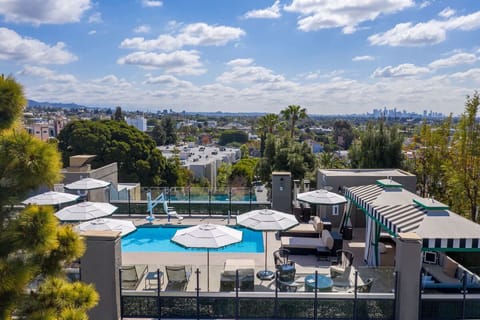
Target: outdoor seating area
294 273
440 272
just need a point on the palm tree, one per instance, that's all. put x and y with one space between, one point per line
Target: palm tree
293 113
266 125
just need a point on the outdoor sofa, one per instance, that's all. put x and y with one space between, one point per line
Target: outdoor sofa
444 273
313 229
306 245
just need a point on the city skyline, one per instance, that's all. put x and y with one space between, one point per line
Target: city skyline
331 57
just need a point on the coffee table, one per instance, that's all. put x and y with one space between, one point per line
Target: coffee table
324 283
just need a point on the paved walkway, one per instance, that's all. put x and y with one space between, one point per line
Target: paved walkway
305 264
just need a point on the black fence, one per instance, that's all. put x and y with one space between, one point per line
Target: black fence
450 306
257 305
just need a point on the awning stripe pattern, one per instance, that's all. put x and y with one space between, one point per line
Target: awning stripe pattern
405 218
451 243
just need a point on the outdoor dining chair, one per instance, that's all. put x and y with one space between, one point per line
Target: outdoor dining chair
280 257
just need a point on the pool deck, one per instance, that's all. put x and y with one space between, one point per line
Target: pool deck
305 264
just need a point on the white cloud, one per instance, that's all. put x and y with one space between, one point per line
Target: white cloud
14 47
144 28
454 60
425 4
151 3
244 73
46 74
403 70
177 62
346 14
239 62
197 34
312 75
363 58
112 80
168 80
95 18
447 12
173 25
427 33
272 12
39 12
92 32
469 75
334 95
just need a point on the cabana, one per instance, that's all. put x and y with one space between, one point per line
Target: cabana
389 207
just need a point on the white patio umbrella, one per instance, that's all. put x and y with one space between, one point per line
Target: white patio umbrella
207 236
106 224
51 198
321 196
267 220
85 211
87 184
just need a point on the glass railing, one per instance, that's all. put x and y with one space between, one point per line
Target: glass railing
197 201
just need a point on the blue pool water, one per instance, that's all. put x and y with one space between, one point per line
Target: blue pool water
157 239
215 197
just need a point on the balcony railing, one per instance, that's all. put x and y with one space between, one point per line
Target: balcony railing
201 201
272 304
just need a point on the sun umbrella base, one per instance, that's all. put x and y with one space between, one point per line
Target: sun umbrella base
265 275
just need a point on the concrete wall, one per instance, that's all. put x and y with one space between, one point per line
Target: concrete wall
408 253
99 266
282 191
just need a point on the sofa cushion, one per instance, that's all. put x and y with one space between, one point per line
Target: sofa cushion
450 267
327 239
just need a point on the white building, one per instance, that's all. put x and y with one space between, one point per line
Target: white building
202 161
138 122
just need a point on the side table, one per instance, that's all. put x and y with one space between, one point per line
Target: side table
151 279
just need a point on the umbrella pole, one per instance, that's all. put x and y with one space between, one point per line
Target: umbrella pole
208 270
266 248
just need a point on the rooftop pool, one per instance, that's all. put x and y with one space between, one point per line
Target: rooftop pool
157 239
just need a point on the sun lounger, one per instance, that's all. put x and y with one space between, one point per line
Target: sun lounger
178 277
132 275
246 275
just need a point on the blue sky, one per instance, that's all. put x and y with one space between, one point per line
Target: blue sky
329 56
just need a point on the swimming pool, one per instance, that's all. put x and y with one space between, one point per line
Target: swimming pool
157 239
214 197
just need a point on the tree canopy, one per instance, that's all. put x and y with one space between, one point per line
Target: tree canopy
292 114
281 154
231 136
135 152
33 246
379 146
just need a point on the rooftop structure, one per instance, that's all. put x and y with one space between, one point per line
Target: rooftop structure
339 178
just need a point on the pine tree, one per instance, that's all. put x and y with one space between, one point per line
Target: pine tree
33 246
